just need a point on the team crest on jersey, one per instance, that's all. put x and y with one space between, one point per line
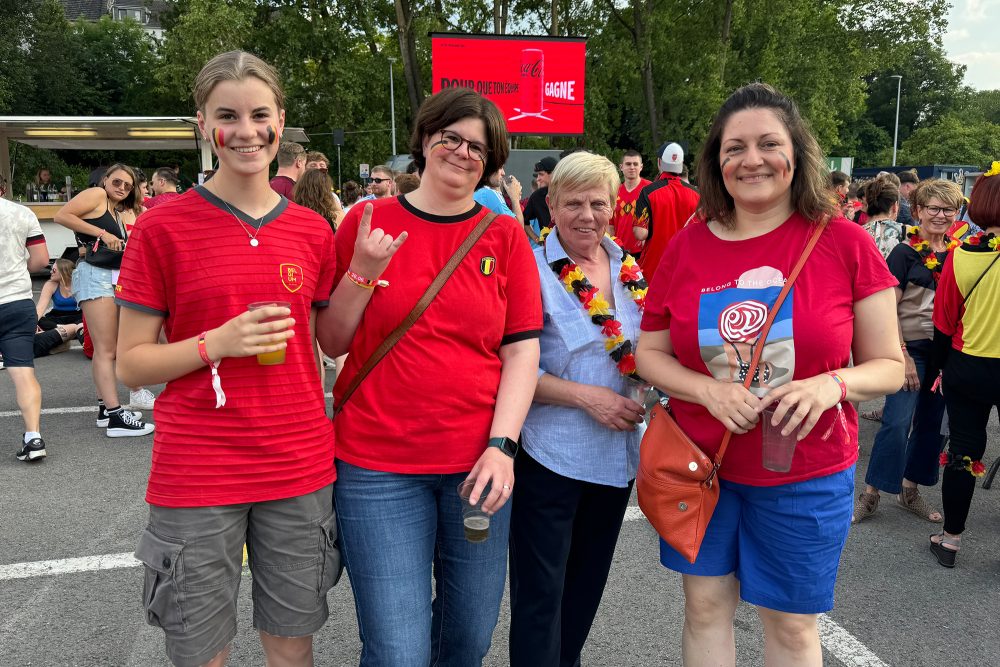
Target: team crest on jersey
487 265
291 277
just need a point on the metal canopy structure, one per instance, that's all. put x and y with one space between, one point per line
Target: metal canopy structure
123 133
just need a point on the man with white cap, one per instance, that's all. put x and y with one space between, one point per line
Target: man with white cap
663 207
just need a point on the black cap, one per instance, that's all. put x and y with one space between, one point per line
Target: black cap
546 164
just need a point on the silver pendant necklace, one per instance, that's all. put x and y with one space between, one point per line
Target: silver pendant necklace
253 238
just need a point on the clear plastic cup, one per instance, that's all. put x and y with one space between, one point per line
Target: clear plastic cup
475 521
277 357
777 449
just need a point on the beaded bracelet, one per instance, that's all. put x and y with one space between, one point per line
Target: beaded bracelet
220 396
361 281
840 382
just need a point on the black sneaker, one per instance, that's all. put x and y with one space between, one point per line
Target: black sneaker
102 416
123 424
32 451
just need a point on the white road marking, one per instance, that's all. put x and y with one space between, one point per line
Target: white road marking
842 644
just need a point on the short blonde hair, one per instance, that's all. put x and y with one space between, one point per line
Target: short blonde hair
235 66
946 191
584 170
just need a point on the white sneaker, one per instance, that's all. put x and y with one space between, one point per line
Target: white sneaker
142 399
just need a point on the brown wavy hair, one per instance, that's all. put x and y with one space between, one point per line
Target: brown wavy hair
133 200
811 196
984 202
314 190
880 194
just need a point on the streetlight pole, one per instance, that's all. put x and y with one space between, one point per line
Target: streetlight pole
895 136
392 106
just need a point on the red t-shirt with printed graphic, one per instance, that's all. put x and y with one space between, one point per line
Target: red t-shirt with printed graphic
714 295
192 264
623 218
427 407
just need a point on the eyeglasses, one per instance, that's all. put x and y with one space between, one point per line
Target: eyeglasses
453 142
937 210
379 180
119 183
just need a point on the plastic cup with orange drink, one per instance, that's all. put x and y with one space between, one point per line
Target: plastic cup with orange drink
277 357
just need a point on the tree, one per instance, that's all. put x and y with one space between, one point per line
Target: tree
953 140
126 88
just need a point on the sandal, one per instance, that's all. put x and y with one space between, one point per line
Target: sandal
864 506
872 415
944 555
910 499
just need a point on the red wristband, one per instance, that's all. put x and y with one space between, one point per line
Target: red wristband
202 352
840 382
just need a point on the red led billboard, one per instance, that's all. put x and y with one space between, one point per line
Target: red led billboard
538 82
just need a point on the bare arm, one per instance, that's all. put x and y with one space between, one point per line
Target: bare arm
45 297
513 190
142 360
88 202
38 257
517 375
911 380
336 324
605 406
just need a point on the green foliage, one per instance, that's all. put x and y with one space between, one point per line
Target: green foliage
953 139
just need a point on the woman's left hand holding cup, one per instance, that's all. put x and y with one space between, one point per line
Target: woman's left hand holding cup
497 469
804 401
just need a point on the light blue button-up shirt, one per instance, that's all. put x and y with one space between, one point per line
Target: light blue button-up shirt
568 441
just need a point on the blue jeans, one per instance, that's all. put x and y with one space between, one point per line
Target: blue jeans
394 528
899 450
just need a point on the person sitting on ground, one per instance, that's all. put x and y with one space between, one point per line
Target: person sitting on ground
165 183
57 292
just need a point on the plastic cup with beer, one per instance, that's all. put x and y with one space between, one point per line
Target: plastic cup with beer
777 449
475 521
277 357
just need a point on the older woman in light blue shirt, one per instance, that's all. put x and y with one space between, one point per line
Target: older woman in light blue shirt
580 442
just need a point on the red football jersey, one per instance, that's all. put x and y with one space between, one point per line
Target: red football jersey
191 263
623 219
428 405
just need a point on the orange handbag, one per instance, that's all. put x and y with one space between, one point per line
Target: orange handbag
676 482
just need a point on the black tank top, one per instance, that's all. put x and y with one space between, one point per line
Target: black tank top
107 222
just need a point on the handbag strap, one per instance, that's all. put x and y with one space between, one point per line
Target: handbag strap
418 310
767 328
980 279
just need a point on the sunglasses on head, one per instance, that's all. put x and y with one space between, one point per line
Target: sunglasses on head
119 183
379 180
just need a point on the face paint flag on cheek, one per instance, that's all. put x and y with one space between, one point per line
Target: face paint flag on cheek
788 163
218 138
271 135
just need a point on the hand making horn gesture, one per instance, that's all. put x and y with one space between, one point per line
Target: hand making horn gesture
373 248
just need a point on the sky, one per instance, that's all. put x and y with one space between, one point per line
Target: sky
971 40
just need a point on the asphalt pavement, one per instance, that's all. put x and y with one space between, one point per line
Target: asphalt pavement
895 604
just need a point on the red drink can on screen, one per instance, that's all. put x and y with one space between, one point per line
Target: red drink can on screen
532 81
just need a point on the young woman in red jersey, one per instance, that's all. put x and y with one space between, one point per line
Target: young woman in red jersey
244 450
445 404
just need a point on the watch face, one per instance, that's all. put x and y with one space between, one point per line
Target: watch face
506 445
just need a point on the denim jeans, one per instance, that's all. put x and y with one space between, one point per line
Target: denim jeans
899 450
394 529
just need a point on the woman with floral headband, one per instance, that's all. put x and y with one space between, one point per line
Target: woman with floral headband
909 440
967 337
580 441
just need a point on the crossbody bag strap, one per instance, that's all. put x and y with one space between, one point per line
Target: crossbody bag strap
755 360
418 310
980 279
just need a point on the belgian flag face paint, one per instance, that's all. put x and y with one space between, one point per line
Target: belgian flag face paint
218 137
272 136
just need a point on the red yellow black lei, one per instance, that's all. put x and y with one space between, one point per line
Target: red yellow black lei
928 257
981 240
619 348
956 462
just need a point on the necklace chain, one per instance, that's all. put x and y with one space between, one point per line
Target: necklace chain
260 222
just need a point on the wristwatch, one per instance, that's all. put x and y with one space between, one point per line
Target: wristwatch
505 445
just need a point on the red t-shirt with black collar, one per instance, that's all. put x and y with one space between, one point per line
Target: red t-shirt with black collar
192 264
427 407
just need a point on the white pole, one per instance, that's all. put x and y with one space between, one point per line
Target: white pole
392 106
895 136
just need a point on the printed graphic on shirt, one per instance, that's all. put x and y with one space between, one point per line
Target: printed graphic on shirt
291 277
487 265
730 319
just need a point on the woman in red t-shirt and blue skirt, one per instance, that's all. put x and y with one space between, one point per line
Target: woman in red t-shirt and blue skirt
775 538
446 403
